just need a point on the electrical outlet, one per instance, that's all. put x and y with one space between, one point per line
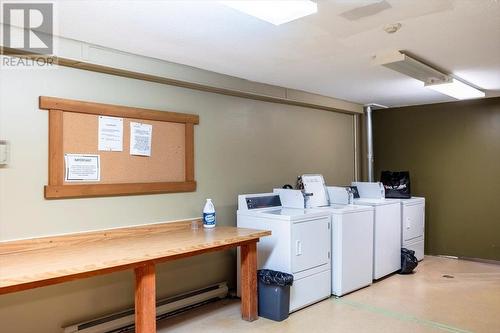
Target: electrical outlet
4 152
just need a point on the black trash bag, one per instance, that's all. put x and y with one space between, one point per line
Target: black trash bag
396 184
275 278
408 261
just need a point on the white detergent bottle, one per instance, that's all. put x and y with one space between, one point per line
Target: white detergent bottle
209 219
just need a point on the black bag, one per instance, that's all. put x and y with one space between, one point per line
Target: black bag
396 184
408 261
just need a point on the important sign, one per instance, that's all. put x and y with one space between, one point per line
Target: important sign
82 168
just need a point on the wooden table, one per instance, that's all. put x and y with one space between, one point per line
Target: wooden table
33 263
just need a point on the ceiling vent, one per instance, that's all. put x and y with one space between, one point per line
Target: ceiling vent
366 11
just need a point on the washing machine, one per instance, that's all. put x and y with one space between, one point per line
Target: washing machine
352 247
412 212
300 244
386 227
352 236
413 225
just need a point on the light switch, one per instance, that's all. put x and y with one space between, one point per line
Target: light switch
4 152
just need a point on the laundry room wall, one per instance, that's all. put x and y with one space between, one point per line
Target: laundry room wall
241 146
452 153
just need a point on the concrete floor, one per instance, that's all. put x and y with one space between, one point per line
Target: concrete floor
423 302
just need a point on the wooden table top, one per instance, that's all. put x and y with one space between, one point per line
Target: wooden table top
38 262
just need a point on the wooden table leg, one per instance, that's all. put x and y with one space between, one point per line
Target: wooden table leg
249 281
145 299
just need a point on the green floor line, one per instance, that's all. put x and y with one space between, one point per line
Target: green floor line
400 316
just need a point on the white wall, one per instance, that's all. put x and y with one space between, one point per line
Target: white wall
242 146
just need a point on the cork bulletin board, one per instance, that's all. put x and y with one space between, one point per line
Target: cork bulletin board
73 129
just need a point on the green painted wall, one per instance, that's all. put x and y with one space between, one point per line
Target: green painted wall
452 151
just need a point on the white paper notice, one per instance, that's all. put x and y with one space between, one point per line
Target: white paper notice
140 139
82 168
110 133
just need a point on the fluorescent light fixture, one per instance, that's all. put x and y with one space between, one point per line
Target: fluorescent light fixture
275 12
404 64
432 78
457 89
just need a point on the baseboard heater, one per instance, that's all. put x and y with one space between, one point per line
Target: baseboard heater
124 321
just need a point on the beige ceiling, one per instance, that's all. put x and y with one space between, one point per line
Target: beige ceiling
327 53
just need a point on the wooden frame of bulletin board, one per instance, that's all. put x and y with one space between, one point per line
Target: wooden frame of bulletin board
73 129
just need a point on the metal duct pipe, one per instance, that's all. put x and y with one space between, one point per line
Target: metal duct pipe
369 141
368 108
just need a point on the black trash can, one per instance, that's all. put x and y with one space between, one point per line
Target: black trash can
274 294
